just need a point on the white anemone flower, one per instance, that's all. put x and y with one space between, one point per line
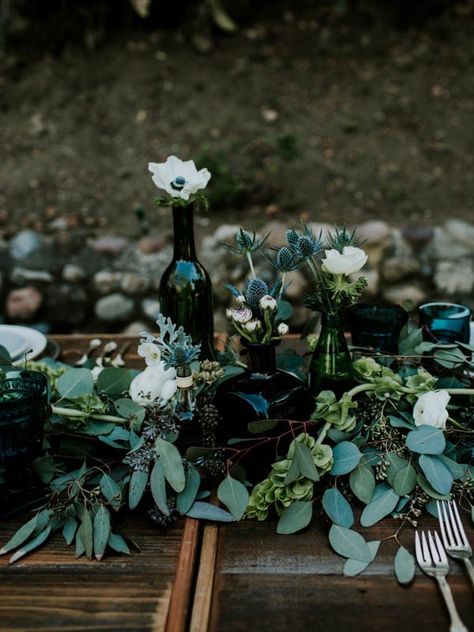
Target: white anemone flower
150 352
178 178
431 409
153 384
283 329
347 262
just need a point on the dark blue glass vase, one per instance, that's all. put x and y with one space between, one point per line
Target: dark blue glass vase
376 326
446 322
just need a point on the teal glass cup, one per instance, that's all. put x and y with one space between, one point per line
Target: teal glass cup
446 322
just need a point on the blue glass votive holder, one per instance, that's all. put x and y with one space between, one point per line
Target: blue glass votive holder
377 327
446 322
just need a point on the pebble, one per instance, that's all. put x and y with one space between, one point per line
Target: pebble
106 281
460 231
132 283
150 245
405 292
23 303
455 277
151 308
67 303
398 268
73 273
22 275
136 328
114 308
109 245
25 243
373 232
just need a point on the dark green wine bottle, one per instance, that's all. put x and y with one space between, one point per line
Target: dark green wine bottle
185 288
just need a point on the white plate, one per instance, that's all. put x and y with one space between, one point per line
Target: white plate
14 343
471 341
35 341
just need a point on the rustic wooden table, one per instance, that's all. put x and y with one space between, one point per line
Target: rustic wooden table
206 578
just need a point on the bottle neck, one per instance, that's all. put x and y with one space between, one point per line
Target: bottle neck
261 358
184 248
332 320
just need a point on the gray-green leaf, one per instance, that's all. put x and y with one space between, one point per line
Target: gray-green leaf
69 530
426 440
346 457
206 511
405 480
31 545
349 544
404 566
101 531
384 502
36 524
337 508
437 474
111 490
86 533
185 499
295 517
75 383
362 482
305 461
158 487
355 567
234 495
138 482
172 464
118 544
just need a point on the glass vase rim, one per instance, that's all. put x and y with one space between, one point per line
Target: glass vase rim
464 310
377 306
255 345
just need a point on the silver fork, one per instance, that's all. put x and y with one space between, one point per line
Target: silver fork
433 561
453 534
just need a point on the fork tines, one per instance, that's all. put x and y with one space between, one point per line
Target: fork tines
451 527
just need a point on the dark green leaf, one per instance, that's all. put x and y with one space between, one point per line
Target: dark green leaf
426 440
172 464
437 474
5 357
137 486
362 482
397 422
101 531
355 567
349 544
262 425
346 457
206 511
194 453
384 502
293 472
185 499
33 544
234 495
337 508
408 343
305 461
158 487
114 381
295 517
404 566
86 533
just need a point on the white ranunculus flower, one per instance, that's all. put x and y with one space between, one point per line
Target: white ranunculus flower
268 302
283 329
253 325
150 352
178 178
152 384
242 315
430 409
349 261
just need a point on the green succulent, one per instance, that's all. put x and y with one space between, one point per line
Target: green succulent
337 413
367 368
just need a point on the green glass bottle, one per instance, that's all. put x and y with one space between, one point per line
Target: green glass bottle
185 288
331 364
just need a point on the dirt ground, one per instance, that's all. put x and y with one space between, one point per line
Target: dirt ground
294 116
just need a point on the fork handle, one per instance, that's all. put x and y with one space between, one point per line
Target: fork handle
456 624
470 570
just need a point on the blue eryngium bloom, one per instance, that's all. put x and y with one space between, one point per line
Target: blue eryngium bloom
284 261
305 244
245 242
341 237
255 290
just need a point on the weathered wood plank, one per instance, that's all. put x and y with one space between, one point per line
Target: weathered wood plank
205 580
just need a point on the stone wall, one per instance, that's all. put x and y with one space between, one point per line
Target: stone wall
68 280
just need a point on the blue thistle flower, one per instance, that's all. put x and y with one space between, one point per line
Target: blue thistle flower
342 238
292 238
255 290
245 242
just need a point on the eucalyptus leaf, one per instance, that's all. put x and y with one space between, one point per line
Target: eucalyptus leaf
5 357
349 543
33 526
384 502
293 472
449 359
118 544
346 457
396 463
337 508
295 517
75 383
404 566
305 461
428 489
405 480
33 544
432 508
234 495
426 440
362 482
172 464
355 567
101 531
111 490
458 470
158 487
206 511
128 409
114 381
138 482
436 473
262 425
69 530
407 344
185 499
86 533
397 422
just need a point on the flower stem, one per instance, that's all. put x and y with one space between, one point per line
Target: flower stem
74 413
360 388
252 269
322 434
458 425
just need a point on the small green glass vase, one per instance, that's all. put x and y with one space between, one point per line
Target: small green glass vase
331 363
185 289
